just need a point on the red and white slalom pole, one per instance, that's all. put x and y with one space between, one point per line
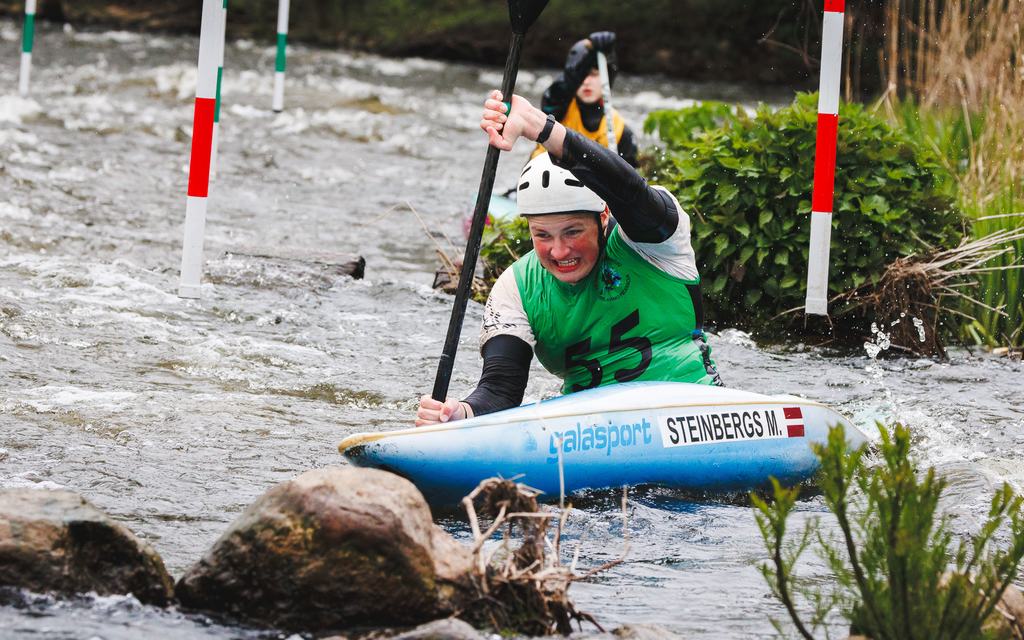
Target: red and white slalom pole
220 78
822 198
28 36
281 60
202 143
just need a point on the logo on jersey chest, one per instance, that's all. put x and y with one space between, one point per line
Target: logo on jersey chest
612 282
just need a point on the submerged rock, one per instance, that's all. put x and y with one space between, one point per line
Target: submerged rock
644 632
56 541
331 549
447 629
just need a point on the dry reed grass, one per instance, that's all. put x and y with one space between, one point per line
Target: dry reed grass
524 590
954 72
966 55
923 288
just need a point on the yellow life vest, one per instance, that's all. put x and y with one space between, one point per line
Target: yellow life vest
574 120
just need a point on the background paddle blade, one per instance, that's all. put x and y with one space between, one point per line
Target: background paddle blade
523 13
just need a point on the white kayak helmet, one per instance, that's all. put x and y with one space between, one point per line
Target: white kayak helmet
546 188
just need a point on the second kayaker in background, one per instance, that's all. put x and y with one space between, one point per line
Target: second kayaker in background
575 97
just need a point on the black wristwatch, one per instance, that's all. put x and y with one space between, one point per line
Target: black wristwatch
546 131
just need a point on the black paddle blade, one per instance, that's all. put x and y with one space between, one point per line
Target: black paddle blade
523 13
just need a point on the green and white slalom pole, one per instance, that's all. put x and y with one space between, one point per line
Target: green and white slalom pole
281 60
220 78
28 36
202 143
606 99
822 195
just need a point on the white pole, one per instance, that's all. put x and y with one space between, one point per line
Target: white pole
28 36
281 60
220 77
606 98
202 143
822 197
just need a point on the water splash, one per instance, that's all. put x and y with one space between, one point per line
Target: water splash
919 324
880 342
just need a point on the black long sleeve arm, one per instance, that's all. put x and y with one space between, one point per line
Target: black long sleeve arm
504 376
561 92
644 213
628 148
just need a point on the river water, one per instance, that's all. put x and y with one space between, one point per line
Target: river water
173 415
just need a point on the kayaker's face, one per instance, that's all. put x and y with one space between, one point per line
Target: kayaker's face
590 91
567 244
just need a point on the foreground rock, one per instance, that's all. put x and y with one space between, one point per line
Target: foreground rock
55 541
332 549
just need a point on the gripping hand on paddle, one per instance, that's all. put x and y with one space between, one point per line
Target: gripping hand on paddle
525 120
434 412
603 41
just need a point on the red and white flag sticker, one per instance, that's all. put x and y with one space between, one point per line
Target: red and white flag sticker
794 422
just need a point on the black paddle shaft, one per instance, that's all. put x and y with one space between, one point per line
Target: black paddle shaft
483 199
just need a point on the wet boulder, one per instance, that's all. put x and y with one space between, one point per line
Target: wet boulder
332 549
56 541
447 629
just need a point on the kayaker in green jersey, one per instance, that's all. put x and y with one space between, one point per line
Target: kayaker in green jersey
598 302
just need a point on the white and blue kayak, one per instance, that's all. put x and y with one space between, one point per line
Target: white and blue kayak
501 208
687 436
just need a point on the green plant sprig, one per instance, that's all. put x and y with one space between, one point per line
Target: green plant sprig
899 571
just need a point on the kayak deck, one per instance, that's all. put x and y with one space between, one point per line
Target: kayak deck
680 435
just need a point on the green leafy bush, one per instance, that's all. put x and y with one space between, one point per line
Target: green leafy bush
898 572
746 183
504 242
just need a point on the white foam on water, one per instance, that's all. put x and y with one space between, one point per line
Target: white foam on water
391 67
18 137
461 115
29 480
119 285
493 79
247 81
423 64
248 112
120 37
71 174
55 398
9 33
31 158
290 122
326 175
95 113
736 337
350 89
14 109
178 80
13 212
535 87
650 100
409 141
351 123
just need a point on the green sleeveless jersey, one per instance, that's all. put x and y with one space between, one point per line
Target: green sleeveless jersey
627 320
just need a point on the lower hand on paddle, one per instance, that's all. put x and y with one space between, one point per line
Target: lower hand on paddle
434 412
504 128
